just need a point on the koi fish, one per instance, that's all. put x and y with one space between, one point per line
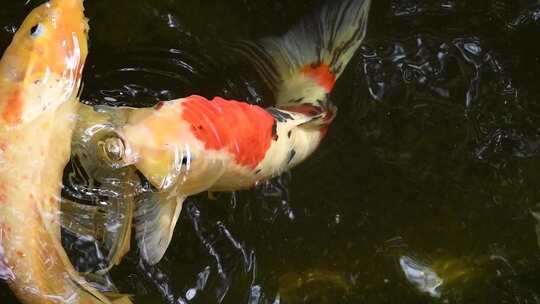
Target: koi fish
190 145
40 76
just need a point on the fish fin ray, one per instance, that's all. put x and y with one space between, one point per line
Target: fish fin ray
320 47
155 218
89 221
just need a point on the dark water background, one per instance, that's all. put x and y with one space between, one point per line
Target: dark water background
433 163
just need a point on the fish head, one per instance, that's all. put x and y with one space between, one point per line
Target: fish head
42 66
51 40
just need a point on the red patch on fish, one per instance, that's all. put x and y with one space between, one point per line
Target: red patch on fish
3 195
159 105
324 130
321 74
13 107
242 129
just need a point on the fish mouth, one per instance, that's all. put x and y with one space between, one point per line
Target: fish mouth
55 35
67 37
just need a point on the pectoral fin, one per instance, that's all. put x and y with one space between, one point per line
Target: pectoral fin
82 220
109 226
155 219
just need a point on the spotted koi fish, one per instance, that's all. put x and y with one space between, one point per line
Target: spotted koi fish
40 74
190 145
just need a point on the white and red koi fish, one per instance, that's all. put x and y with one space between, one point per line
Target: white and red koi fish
191 145
40 76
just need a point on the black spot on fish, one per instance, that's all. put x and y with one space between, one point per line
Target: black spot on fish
257 171
289 134
312 120
275 136
159 105
324 103
280 116
291 156
297 100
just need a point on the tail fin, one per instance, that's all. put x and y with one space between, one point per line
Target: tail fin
303 65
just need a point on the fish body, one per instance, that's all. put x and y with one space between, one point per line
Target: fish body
40 74
194 144
190 145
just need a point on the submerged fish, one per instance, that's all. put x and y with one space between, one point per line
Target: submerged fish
40 75
317 285
422 276
191 145
445 275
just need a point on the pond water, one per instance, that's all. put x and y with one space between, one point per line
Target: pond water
426 189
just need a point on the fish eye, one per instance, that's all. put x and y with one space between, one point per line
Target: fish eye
112 150
36 30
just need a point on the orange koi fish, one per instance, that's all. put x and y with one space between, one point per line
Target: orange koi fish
191 145
40 75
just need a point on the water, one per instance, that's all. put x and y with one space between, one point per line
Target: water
425 190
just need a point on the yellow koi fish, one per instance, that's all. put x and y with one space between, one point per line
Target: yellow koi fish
40 75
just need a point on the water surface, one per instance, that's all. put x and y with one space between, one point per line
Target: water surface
426 189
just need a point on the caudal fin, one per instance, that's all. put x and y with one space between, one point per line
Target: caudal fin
303 65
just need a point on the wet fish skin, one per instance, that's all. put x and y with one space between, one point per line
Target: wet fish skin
40 75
